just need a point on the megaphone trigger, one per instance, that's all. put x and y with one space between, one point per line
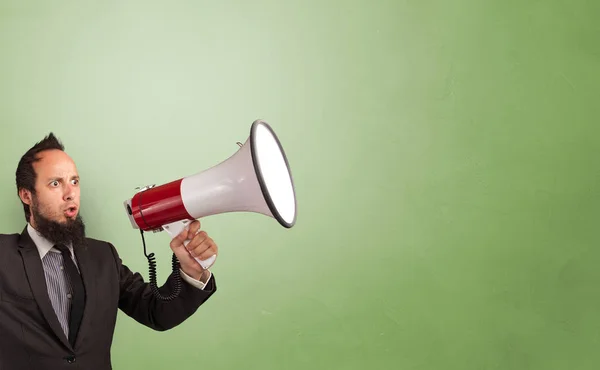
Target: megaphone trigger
176 228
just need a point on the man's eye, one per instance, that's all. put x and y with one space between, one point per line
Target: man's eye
54 183
75 182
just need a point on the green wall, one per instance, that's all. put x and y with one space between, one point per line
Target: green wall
445 155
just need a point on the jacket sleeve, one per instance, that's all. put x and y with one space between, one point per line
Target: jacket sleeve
137 300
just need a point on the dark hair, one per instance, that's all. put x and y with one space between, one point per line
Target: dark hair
25 174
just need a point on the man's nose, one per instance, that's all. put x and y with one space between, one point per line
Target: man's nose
69 193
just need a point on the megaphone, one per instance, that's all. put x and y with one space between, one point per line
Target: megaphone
257 178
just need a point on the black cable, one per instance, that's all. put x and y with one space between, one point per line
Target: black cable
152 268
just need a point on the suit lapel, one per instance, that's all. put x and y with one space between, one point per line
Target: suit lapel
85 264
37 283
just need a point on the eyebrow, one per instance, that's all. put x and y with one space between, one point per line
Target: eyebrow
61 178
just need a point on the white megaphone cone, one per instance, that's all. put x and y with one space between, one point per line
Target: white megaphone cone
257 178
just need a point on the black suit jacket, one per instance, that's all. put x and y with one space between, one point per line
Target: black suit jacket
30 333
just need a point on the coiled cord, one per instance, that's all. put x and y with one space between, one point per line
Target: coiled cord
152 274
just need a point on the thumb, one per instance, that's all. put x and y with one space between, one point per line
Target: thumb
179 249
177 242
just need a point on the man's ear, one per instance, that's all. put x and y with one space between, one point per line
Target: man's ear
25 196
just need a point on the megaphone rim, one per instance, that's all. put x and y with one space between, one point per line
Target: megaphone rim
259 175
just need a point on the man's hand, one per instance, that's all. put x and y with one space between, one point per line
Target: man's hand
201 246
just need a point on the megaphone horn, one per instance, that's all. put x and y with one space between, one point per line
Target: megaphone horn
257 178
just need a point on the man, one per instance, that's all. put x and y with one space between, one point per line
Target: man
60 290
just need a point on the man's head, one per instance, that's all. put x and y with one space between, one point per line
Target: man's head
48 186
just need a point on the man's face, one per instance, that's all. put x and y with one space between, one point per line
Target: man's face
55 204
57 187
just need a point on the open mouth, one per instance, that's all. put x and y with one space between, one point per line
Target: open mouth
71 212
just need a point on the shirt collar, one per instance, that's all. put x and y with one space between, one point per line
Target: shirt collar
43 245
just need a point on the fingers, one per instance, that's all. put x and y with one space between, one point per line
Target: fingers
200 244
185 234
208 252
193 229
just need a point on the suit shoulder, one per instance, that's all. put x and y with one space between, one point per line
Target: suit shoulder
100 248
8 244
94 241
99 245
9 238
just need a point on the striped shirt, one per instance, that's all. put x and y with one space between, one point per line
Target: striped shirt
57 282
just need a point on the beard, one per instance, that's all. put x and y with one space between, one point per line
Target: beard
73 231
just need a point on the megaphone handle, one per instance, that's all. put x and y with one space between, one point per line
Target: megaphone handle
176 228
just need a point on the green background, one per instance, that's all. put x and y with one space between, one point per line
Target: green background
445 155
